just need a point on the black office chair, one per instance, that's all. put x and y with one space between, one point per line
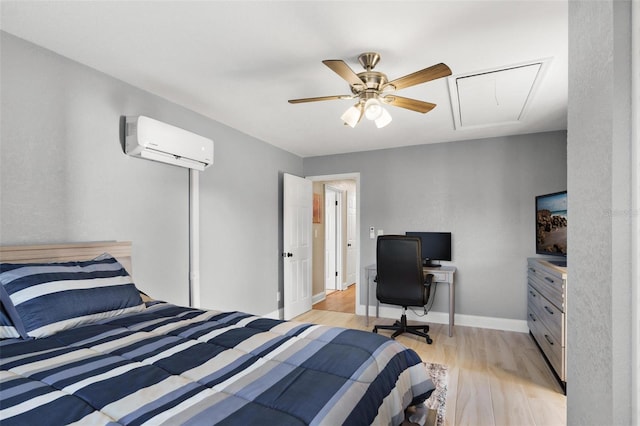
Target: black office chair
401 281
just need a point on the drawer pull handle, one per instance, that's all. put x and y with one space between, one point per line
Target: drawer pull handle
550 280
546 336
533 318
546 308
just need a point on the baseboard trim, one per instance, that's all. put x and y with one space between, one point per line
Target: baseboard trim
493 323
318 298
434 317
278 314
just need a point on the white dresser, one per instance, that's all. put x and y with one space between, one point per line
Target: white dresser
547 304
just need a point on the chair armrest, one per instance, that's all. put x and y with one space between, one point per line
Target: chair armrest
428 279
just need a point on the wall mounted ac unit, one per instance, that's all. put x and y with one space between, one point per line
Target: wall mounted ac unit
158 141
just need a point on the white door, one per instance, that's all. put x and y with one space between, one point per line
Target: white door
297 216
351 237
330 240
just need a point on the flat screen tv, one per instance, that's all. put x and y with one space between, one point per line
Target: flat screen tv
435 246
551 224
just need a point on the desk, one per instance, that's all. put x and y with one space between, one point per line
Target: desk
442 274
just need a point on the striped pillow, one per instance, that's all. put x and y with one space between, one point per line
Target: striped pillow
44 298
7 330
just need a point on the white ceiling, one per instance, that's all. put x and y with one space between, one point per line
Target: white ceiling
238 62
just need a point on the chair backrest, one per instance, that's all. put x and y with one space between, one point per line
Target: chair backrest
400 278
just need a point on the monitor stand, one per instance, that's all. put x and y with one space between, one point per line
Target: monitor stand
429 264
561 263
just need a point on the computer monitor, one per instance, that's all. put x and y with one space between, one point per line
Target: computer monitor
435 246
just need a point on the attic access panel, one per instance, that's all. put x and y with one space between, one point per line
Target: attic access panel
499 96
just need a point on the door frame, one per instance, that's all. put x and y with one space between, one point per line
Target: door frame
635 216
355 176
351 226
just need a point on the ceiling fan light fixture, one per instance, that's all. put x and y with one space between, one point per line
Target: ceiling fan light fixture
373 109
352 116
384 119
373 89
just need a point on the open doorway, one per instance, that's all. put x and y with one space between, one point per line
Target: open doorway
336 255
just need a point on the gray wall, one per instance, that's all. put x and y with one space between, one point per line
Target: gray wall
599 184
241 224
482 191
64 177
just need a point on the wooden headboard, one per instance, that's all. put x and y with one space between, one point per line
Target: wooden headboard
121 250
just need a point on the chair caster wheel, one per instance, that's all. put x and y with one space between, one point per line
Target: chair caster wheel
429 340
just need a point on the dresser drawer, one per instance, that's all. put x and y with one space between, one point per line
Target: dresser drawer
442 277
548 314
551 347
549 285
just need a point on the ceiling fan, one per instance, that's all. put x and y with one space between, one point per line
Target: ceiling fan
372 89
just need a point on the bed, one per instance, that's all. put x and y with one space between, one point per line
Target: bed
80 345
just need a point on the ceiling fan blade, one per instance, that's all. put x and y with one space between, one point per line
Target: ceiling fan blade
422 76
320 98
412 104
343 70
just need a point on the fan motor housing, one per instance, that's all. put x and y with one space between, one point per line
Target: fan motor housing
372 80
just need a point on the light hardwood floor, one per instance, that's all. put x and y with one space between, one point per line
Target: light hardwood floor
495 377
341 301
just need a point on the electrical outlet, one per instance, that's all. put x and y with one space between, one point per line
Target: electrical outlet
372 232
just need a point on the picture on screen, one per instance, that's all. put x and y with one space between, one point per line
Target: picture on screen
551 224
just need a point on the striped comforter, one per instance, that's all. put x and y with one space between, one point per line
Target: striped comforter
175 365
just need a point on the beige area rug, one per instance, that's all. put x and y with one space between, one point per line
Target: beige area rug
432 411
438 400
